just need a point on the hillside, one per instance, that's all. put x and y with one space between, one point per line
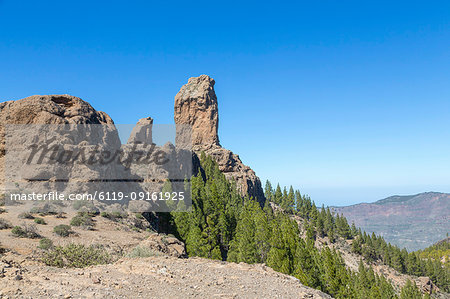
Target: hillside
238 240
156 271
414 221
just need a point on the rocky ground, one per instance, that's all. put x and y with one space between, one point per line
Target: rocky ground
166 274
152 277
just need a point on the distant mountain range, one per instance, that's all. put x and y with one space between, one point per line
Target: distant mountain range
414 221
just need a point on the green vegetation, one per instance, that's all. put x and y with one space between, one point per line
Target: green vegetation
25 231
84 220
45 244
226 227
375 248
139 252
76 256
26 215
62 230
114 216
44 209
437 252
2 211
410 291
40 221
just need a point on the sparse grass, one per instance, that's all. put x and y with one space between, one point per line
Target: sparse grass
45 244
84 220
139 252
62 230
26 215
76 256
4 224
26 231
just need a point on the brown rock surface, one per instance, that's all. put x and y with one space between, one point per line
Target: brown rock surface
53 110
196 105
165 244
152 277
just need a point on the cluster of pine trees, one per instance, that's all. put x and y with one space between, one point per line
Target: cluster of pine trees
375 248
321 222
439 251
222 225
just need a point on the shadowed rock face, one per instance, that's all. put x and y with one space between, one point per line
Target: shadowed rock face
196 105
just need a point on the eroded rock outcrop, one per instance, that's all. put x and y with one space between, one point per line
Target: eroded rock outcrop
196 105
53 110
142 132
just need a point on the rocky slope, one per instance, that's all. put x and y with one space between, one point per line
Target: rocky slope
166 274
414 222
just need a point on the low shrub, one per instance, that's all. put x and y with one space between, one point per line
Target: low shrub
2 211
26 215
85 206
76 256
139 252
45 244
4 224
25 231
40 221
114 216
44 210
61 215
62 230
84 220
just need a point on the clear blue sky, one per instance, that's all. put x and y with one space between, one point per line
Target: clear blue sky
348 101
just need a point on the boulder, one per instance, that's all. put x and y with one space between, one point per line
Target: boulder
165 244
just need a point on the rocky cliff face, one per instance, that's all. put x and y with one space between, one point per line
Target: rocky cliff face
196 105
52 110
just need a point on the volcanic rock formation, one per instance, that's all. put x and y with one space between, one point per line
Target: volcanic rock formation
196 105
